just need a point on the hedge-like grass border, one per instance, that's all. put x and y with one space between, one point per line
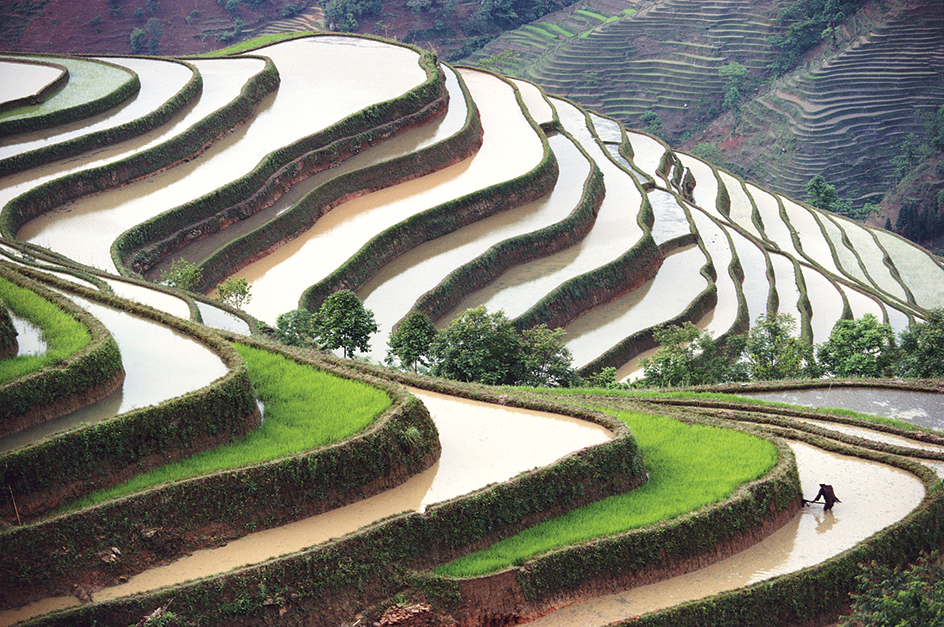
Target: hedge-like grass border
191 90
86 109
437 221
334 580
89 375
87 458
139 248
47 196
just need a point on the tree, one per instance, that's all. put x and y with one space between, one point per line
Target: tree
545 360
296 328
689 356
859 348
477 346
653 124
922 347
411 341
773 352
913 595
182 275
734 74
343 322
234 292
137 40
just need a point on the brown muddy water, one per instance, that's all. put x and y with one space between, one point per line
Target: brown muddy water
391 294
403 143
716 242
160 80
29 338
774 226
510 148
647 152
872 256
826 301
22 80
920 408
482 443
812 240
537 105
661 298
354 76
873 497
614 232
742 210
148 351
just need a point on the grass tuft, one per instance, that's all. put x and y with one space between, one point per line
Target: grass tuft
64 335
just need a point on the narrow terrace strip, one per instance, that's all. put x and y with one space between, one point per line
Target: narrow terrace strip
393 291
167 87
615 232
511 148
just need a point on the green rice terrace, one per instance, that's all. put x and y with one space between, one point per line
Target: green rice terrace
165 459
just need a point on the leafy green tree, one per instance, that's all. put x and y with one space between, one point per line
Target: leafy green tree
859 348
477 346
772 351
922 347
734 74
688 356
411 341
824 196
343 322
653 125
913 595
182 275
234 292
545 360
296 328
137 40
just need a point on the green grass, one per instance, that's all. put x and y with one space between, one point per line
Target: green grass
305 409
64 335
251 44
689 466
88 80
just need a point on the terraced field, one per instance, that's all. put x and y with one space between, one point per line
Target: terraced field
333 162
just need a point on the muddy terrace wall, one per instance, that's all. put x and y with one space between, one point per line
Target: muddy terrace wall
106 137
142 246
78 112
89 375
166 522
62 468
435 222
183 147
638 557
325 197
333 581
483 270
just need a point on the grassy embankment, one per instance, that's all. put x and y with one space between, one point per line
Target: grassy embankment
64 335
304 409
689 466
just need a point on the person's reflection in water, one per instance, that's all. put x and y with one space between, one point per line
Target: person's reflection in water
825 521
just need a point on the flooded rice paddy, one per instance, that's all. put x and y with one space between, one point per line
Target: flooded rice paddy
482 444
23 80
510 148
873 497
148 350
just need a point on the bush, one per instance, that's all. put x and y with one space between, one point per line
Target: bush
901 596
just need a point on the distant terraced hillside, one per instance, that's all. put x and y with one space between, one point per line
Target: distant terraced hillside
843 113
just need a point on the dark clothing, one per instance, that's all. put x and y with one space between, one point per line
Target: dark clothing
829 497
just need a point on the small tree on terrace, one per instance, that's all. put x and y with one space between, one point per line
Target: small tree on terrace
478 346
296 328
234 291
859 348
689 356
545 361
411 341
343 322
774 353
182 275
922 347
